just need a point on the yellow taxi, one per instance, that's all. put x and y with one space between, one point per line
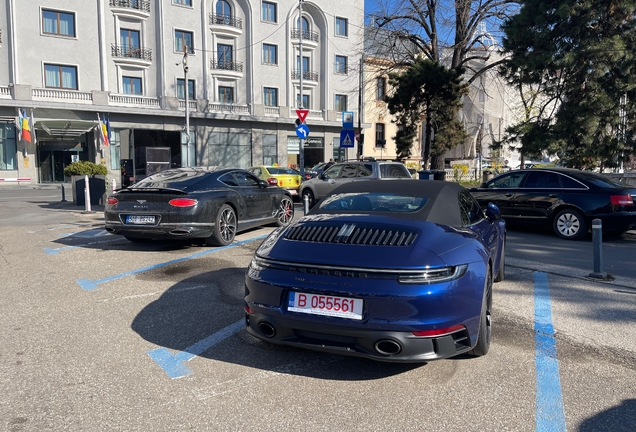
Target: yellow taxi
286 178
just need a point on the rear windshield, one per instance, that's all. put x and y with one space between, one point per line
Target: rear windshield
281 170
174 179
373 202
394 171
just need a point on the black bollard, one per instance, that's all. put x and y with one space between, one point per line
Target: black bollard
63 194
597 248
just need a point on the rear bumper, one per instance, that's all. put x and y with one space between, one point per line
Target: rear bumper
382 345
168 231
617 222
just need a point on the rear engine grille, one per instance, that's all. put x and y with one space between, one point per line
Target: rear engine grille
353 234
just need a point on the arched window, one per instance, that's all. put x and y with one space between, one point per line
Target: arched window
223 8
303 25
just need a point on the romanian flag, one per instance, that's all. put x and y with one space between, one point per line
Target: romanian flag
26 128
103 132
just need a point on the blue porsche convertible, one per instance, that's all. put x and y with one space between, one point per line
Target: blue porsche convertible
393 270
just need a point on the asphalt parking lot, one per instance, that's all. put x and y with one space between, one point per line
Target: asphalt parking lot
99 333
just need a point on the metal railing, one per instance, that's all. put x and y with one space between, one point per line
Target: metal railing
141 5
127 51
305 34
227 20
227 65
308 75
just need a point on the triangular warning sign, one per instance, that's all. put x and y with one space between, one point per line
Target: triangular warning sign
302 114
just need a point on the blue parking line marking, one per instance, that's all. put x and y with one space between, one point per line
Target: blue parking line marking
550 415
90 285
173 364
53 251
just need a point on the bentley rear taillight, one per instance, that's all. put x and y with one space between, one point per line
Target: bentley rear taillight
622 200
112 201
183 202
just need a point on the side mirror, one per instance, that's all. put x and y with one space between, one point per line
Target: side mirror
263 184
492 212
322 176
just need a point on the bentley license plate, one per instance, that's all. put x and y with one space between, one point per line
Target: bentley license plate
342 307
140 220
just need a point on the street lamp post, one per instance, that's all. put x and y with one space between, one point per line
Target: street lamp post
186 89
301 145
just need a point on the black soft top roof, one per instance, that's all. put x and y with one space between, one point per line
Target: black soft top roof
442 206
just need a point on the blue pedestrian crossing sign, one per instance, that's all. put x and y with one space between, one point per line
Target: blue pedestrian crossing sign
347 138
302 131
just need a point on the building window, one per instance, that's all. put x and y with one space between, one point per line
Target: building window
270 96
379 135
183 2
58 76
341 103
130 42
269 54
226 94
305 65
58 23
270 149
183 39
305 101
380 88
224 55
342 27
269 12
8 147
341 64
132 85
223 8
181 89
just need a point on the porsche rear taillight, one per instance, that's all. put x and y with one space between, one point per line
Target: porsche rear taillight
272 181
439 331
183 202
112 201
622 200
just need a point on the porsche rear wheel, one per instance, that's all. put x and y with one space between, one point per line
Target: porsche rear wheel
225 226
485 321
285 212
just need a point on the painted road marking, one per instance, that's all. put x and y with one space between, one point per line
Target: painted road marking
90 285
173 364
550 415
99 232
53 251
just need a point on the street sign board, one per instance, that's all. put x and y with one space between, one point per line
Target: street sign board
302 131
346 138
302 114
347 119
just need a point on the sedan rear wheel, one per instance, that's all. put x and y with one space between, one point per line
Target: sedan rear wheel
224 227
285 212
485 321
570 224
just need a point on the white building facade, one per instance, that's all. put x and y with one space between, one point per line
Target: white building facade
66 62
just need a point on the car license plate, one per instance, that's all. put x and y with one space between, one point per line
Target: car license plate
342 307
140 220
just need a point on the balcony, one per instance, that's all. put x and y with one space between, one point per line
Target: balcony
310 78
131 8
62 95
133 100
131 55
309 38
232 69
225 24
224 107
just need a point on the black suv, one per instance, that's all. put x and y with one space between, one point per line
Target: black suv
344 172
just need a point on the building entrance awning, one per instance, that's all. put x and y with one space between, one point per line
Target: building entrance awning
64 128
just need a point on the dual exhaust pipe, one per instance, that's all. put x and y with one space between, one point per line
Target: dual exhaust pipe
387 347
